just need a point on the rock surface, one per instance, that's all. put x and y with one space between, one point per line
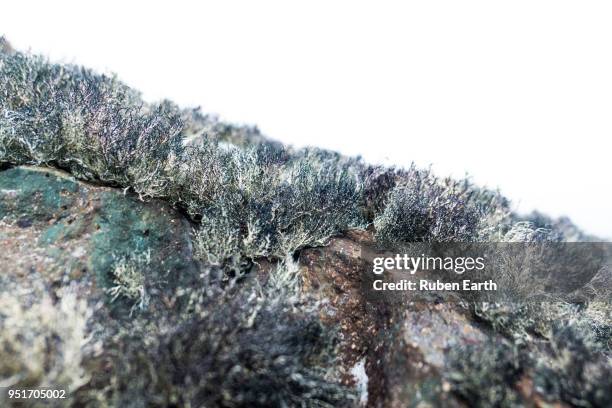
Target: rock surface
71 230
405 350
102 295
65 230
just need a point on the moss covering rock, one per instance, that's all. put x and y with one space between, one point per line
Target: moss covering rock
155 256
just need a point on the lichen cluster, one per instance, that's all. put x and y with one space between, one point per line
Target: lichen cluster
228 339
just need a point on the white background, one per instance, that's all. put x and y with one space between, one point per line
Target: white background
517 94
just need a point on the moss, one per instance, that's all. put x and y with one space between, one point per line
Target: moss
43 343
204 338
100 130
423 208
565 348
218 361
123 228
246 345
485 375
258 207
578 369
129 279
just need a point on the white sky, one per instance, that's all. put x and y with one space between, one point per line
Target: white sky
517 94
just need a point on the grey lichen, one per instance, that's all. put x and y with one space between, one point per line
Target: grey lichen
227 338
129 280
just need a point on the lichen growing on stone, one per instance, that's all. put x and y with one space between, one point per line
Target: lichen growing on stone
129 279
156 256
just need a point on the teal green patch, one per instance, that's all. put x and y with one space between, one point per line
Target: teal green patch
123 227
51 234
120 231
108 225
62 231
36 194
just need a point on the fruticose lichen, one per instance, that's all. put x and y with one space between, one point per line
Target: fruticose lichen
228 339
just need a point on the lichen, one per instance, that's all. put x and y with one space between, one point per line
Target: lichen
197 328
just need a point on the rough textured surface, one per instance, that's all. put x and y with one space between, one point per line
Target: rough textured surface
407 348
62 233
401 362
102 295
66 230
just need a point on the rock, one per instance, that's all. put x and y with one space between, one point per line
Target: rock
67 231
400 372
404 348
58 232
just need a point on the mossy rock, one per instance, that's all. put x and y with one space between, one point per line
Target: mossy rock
35 195
76 230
